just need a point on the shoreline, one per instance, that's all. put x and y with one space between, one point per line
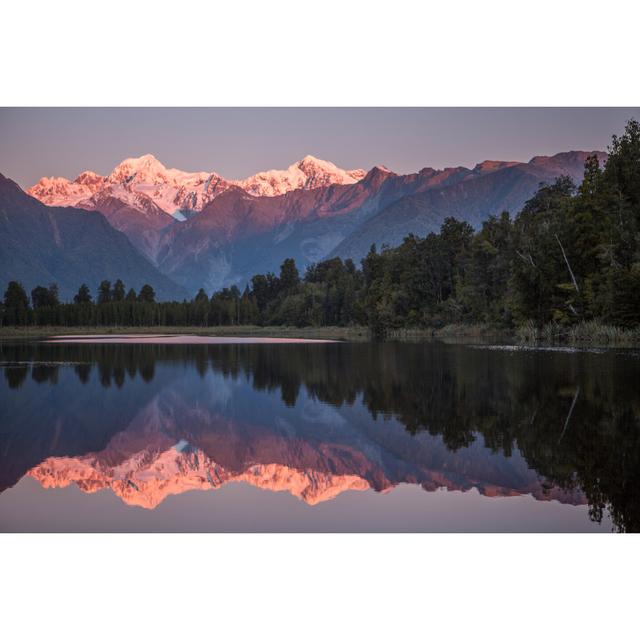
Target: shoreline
582 336
344 333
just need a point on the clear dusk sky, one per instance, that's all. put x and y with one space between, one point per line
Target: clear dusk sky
237 142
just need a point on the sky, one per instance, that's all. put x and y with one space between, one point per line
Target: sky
238 142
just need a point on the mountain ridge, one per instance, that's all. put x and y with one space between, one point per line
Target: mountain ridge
68 246
472 199
223 232
174 190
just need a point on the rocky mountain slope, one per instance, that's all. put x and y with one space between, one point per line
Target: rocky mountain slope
68 246
488 190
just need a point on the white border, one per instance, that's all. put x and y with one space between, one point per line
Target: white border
329 53
319 586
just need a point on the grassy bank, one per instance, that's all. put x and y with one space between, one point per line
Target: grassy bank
592 333
469 332
336 333
583 334
457 331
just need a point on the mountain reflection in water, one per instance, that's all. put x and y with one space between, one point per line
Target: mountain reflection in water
315 420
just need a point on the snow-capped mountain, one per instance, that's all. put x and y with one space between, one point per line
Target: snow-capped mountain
135 182
61 192
172 190
308 173
179 193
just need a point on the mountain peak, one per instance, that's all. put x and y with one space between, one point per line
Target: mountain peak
310 159
89 178
146 168
487 166
378 171
308 173
311 165
565 160
568 156
146 160
65 193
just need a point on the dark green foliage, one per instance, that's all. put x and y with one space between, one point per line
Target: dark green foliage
118 291
488 270
289 276
83 296
16 304
15 296
104 292
45 297
147 294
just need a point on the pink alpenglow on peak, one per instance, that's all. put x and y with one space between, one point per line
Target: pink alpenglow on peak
175 191
308 173
61 192
487 166
147 479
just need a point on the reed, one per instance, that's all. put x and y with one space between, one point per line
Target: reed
591 332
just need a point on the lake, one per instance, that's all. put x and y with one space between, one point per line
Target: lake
197 434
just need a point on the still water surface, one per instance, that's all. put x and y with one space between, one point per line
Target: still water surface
185 435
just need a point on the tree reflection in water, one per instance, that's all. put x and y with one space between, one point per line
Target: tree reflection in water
573 417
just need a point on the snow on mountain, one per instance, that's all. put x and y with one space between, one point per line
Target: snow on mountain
308 173
61 192
172 190
178 192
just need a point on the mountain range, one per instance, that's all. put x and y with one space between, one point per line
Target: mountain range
197 229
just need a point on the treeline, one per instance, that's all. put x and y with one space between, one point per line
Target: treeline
571 255
113 306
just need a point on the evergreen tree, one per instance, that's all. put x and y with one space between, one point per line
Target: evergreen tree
83 296
16 304
44 297
202 308
147 294
118 291
104 292
483 292
202 296
289 276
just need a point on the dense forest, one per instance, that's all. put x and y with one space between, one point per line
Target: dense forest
571 256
